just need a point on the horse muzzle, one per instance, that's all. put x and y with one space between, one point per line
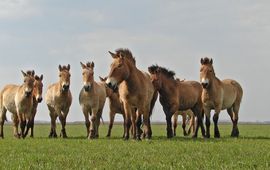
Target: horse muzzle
65 87
28 93
39 100
205 85
87 88
111 86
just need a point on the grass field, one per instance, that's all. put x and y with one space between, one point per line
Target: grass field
250 151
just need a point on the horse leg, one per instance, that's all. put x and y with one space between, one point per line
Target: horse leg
128 113
169 123
207 122
215 119
184 119
191 125
124 118
147 125
15 121
32 128
62 119
28 126
199 121
22 123
93 124
235 132
2 121
87 121
112 115
53 133
98 123
174 122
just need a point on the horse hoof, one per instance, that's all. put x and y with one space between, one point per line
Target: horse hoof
217 135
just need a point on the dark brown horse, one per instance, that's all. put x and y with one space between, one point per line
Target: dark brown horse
135 90
219 95
176 96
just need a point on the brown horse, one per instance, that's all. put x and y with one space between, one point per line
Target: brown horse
116 106
187 117
176 96
58 100
19 101
135 90
219 95
37 98
92 99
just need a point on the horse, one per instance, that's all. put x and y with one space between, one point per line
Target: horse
219 95
18 99
37 98
176 96
92 99
135 90
187 117
116 106
58 99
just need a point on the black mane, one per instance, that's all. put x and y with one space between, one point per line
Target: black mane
165 71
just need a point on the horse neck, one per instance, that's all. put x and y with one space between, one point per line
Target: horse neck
215 84
132 80
166 85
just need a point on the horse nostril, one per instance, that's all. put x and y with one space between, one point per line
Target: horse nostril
204 85
86 87
109 85
40 99
66 87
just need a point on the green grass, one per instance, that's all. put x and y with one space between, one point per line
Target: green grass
250 151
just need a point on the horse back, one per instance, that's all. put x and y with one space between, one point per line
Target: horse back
8 97
190 92
233 91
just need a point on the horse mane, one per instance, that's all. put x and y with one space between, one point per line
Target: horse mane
30 73
65 68
126 53
168 73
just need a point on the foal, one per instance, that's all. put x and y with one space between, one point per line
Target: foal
187 117
19 101
219 95
92 99
58 100
116 106
177 96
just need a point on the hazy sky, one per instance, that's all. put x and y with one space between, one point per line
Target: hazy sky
41 34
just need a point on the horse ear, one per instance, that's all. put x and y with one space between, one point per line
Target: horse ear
202 61
113 55
121 56
41 77
211 61
92 64
60 67
33 72
68 67
24 74
83 65
102 79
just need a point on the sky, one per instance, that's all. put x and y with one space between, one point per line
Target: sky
176 34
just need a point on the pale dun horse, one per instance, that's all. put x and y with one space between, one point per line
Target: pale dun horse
37 98
19 101
187 118
116 106
219 95
58 100
135 90
92 99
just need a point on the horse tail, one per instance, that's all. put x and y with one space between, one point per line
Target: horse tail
153 102
102 120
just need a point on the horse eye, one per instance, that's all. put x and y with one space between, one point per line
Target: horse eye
211 71
119 65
